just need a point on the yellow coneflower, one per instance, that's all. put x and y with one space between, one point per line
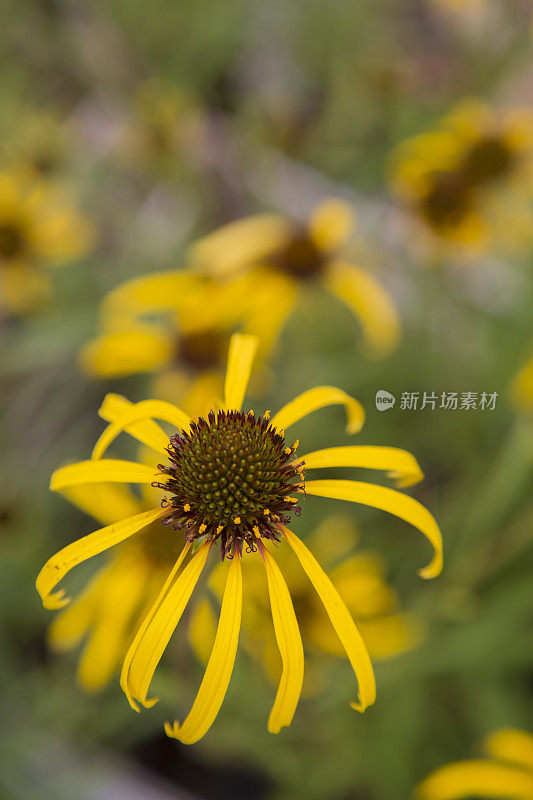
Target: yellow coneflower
522 388
108 612
229 481
287 257
38 230
358 577
37 142
446 177
507 773
174 325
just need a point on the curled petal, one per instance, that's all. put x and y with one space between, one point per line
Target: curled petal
220 665
104 471
86 547
401 505
145 431
316 398
146 409
154 634
341 620
290 647
399 464
241 354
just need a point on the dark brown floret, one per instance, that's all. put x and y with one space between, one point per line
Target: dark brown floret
229 479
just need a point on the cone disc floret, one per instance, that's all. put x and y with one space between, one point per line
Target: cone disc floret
229 479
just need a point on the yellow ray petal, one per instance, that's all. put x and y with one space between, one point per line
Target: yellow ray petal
146 409
105 647
399 464
161 626
331 224
241 354
130 352
273 299
202 629
152 610
146 431
368 300
240 244
106 502
109 470
466 779
220 665
401 505
513 745
159 291
341 620
316 398
62 562
290 647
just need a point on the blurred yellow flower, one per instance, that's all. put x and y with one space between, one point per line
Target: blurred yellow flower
285 257
37 143
174 325
446 178
229 481
506 774
522 388
113 605
360 581
38 230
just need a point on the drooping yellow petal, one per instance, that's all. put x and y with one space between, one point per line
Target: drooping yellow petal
202 629
399 464
369 301
241 244
111 628
134 646
319 397
146 431
126 352
220 665
401 505
86 547
146 409
107 470
512 745
106 502
274 296
241 354
158 291
466 779
289 644
331 224
163 619
341 620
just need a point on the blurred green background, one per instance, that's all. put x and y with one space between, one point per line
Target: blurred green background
297 101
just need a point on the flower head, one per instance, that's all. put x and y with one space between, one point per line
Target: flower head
283 257
231 444
38 230
446 177
507 773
